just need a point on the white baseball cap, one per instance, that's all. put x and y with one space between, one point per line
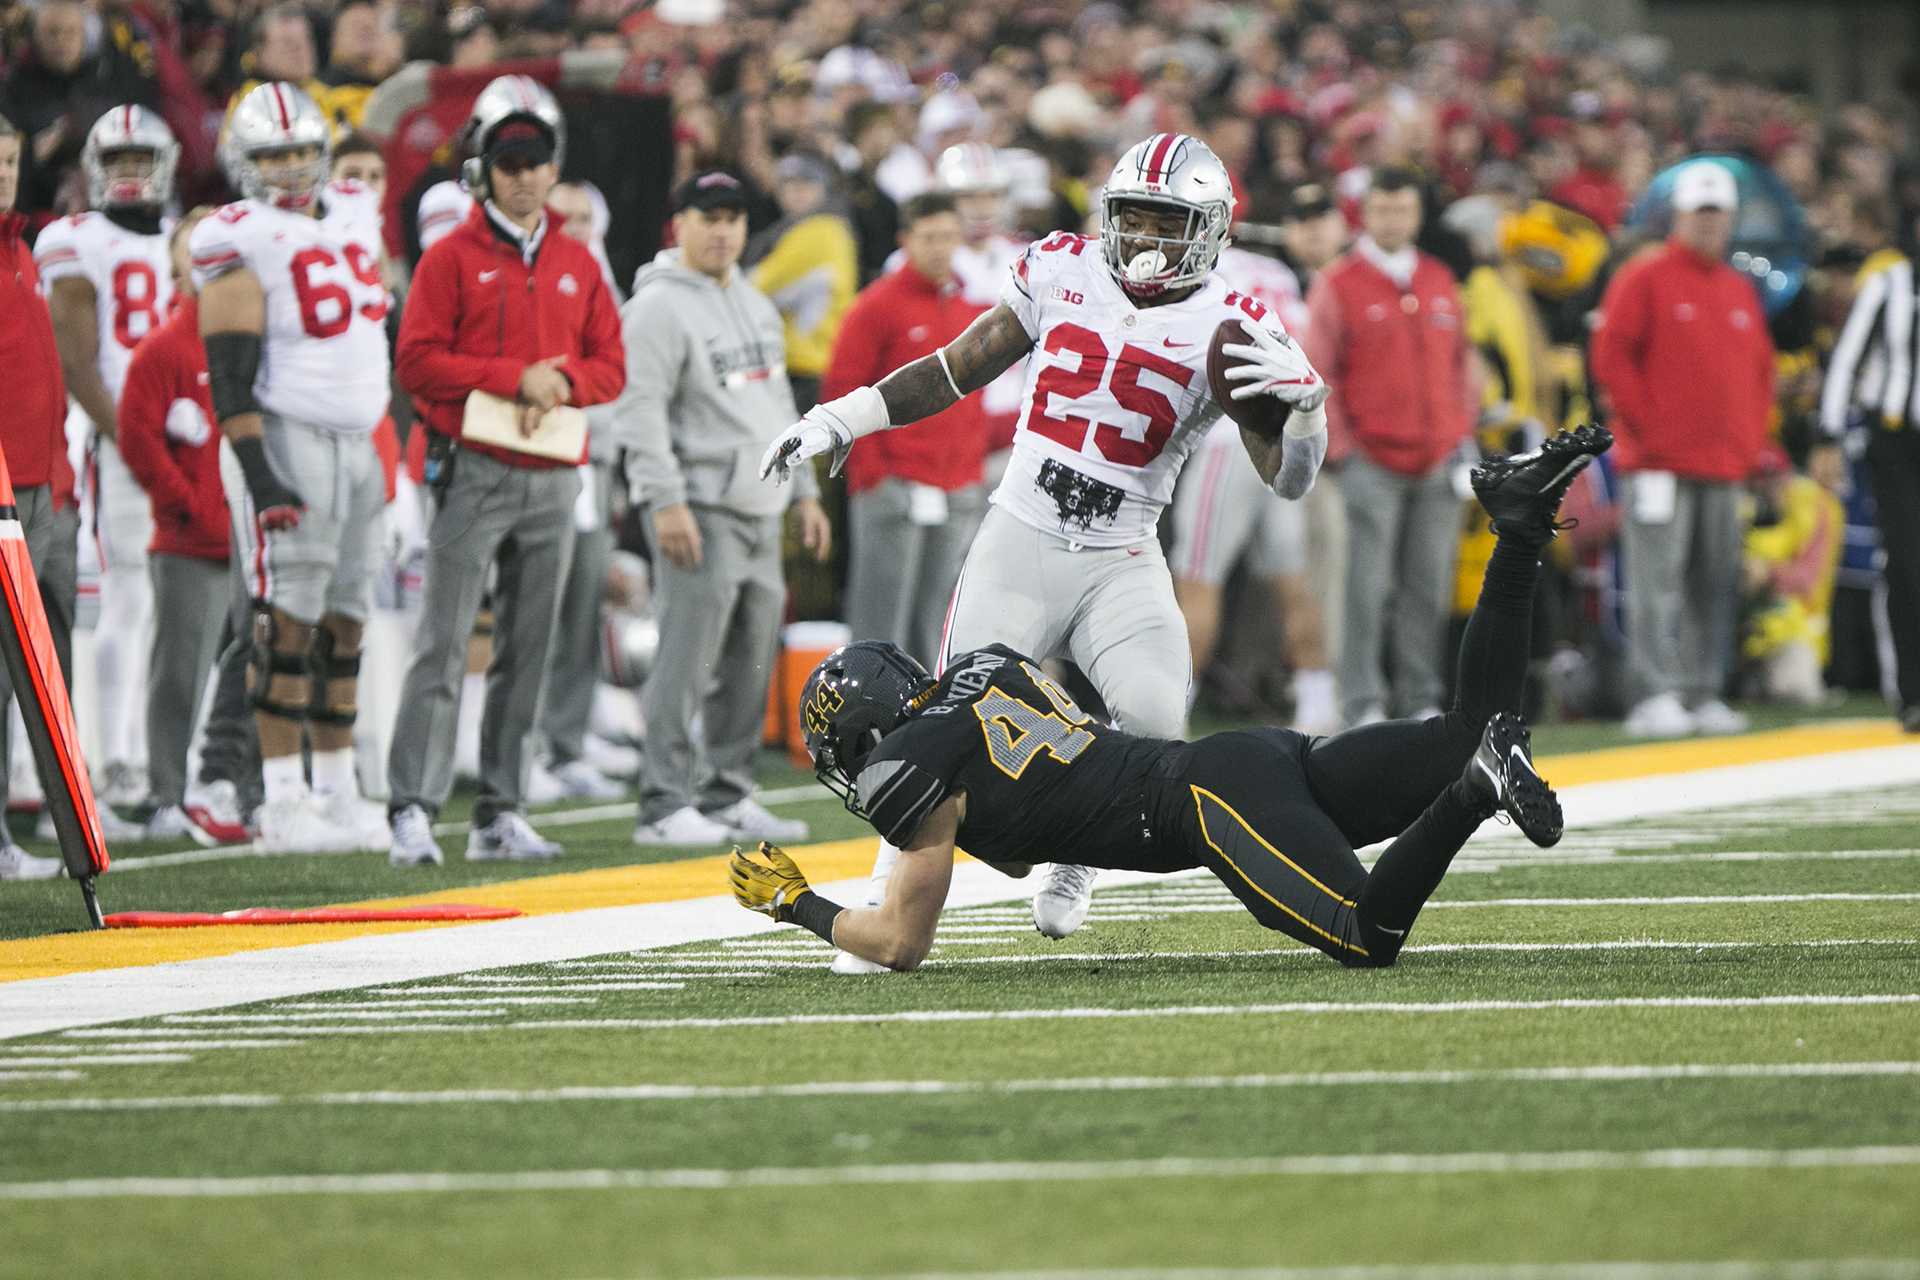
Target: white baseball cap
1705 185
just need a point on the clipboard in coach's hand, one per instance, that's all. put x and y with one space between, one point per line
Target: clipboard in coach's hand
489 420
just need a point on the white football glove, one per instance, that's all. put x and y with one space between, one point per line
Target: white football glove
1275 366
834 426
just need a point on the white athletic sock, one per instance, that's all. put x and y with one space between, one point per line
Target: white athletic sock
284 777
122 647
333 772
1313 696
882 872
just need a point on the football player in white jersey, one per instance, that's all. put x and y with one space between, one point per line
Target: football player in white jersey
293 310
109 284
972 173
1117 396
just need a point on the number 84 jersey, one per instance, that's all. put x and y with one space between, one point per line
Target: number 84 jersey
323 358
1043 780
132 282
1117 394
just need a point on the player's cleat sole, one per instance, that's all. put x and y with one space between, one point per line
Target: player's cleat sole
1502 770
1524 491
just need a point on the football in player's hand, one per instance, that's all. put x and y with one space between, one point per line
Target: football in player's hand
1262 415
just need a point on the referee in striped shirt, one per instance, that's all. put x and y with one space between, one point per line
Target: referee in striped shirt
1871 380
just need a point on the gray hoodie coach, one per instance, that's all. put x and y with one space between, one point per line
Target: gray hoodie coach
706 393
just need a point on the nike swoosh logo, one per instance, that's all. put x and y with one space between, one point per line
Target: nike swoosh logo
1169 342
486 277
1398 933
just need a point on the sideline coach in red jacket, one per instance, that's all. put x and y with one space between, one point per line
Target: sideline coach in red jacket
913 504
33 432
1683 354
510 305
1385 328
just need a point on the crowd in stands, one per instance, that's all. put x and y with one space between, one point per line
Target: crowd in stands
1528 151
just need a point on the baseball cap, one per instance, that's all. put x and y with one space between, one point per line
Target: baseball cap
1308 200
523 139
1705 185
711 190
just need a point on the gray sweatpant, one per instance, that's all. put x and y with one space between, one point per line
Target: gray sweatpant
522 518
902 573
191 598
1403 536
1683 589
719 630
53 541
230 744
573 663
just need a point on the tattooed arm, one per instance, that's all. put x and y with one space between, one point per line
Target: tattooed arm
990 346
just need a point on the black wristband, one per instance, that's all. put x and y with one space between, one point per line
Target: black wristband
251 453
233 359
811 911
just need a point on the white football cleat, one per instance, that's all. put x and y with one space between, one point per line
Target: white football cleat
17 864
848 964
509 838
749 820
1062 904
684 826
362 824
412 843
1660 716
171 823
297 824
1715 716
579 780
215 815
612 759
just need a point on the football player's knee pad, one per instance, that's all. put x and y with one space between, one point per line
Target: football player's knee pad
281 676
335 663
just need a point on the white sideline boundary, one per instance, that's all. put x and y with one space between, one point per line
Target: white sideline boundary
973 1172
1797 1269
40 1005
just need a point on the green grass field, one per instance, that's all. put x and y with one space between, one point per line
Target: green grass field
1687 1041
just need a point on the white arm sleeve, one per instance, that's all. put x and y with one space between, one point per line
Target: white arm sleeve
1303 447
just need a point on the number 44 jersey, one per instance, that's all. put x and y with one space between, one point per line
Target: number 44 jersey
323 358
1043 781
1116 397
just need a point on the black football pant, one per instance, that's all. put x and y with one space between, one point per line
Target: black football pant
1277 816
1893 467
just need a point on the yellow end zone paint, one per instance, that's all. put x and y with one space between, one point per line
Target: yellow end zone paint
841 859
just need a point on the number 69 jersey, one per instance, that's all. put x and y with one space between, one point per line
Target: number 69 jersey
1117 394
1043 781
132 280
323 358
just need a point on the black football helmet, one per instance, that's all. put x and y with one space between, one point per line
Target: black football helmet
858 694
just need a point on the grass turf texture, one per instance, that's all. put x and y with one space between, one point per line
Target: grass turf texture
990 961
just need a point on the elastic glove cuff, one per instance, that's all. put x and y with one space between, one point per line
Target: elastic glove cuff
1307 422
862 412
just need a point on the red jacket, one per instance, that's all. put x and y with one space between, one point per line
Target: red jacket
1403 390
169 442
1683 354
478 315
896 320
33 430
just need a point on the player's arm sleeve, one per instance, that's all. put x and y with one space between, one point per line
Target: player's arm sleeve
425 359
1020 291
599 371
145 400
897 796
656 349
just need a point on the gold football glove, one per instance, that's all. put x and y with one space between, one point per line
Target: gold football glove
766 881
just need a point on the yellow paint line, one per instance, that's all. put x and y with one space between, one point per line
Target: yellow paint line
835 860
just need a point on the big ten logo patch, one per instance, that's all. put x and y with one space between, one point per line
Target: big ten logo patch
1068 296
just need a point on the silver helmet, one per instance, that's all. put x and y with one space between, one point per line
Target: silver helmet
1175 172
121 130
504 100
277 117
974 169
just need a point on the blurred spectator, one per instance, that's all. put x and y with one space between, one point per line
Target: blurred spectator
915 500
33 440
1792 560
706 394
53 97
358 158
283 48
1872 383
363 51
1593 188
167 439
1683 355
808 265
1385 329
873 132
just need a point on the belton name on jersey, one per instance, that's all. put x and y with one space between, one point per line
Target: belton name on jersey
324 353
1116 396
131 275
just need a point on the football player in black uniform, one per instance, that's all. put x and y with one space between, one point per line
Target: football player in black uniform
995 758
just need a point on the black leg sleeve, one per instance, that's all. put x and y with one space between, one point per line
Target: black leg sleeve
1893 465
1411 869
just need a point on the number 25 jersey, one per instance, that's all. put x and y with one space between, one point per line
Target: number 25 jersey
1116 396
323 358
1043 781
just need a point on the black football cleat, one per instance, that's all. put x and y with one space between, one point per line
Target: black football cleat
1502 772
1524 492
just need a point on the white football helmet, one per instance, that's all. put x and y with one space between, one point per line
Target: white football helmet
129 129
277 117
504 99
967 167
1167 171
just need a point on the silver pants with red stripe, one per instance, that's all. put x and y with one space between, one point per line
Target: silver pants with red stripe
1109 609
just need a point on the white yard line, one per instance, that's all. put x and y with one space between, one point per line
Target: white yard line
7 1077
1812 1269
100 1060
961 1172
84 999
1624 1074
150 1046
